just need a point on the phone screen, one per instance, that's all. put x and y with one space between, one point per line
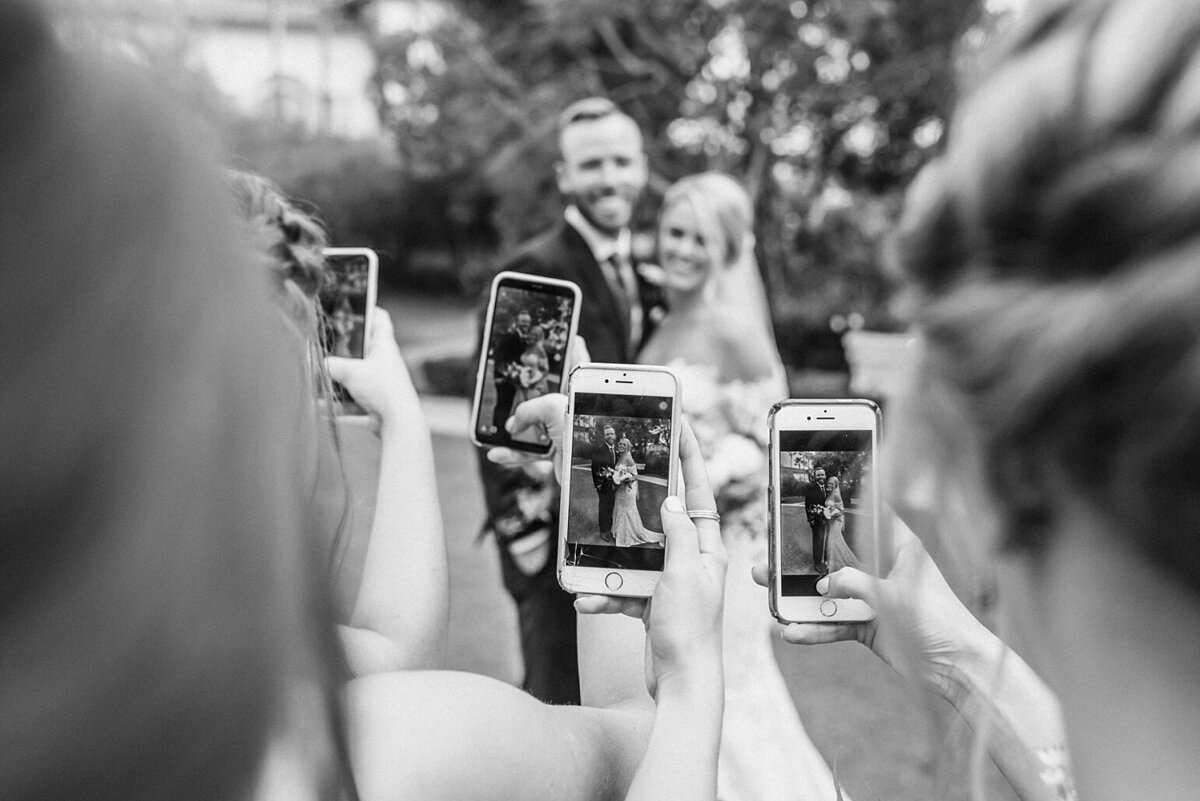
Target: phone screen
827 512
345 286
619 471
527 346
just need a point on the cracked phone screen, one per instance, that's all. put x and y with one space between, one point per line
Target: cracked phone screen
621 453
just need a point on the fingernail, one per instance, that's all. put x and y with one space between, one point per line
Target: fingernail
508 424
673 504
823 585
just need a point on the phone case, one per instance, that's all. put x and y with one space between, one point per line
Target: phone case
636 584
485 345
774 521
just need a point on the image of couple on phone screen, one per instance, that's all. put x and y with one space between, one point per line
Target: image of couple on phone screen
820 510
626 459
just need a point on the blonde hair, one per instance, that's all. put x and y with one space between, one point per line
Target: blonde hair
722 206
1053 258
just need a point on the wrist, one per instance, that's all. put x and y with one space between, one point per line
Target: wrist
971 667
701 683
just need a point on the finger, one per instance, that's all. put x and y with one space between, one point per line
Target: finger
610 605
697 492
683 540
761 574
849 582
509 457
579 354
546 411
340 367
821 633
381 329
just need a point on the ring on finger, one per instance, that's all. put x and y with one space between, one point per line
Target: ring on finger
704 514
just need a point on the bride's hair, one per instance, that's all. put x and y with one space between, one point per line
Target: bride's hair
723 208
1052 254
726 211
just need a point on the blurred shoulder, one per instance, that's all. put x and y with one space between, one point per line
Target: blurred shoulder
457 735
541 255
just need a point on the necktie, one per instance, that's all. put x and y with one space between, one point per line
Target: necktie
627 298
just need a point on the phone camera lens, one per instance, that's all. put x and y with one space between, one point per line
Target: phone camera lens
606 381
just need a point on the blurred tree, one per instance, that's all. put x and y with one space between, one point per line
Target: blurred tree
823 108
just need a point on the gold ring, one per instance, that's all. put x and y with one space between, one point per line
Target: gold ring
704 514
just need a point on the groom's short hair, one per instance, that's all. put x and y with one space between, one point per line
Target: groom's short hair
589 109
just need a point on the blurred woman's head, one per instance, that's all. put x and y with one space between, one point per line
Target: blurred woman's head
156 599
705 224
1053 263
290 241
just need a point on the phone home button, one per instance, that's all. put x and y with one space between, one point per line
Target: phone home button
828 607
614 581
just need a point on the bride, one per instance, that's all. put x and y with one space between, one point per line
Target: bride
837 551
717 337
627 520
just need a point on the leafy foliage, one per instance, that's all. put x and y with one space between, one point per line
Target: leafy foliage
824 109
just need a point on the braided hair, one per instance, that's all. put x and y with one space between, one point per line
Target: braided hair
1052 256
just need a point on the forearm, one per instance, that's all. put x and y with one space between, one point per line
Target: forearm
404 594
1003 700
681 758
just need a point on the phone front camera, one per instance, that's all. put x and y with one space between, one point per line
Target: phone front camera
606 381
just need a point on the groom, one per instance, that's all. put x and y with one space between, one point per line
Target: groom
814 509
604 461
601 173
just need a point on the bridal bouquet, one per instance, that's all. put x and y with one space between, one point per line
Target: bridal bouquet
623 475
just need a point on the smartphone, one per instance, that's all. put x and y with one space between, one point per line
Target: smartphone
824 504
620 448
347 294
527 334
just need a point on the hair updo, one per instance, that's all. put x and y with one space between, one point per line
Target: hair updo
1053 258
292 240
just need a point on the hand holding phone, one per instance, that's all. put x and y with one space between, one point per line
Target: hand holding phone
620 446
530 324
379 381
824 504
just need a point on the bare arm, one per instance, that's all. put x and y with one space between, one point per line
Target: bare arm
445 735
401 611
682 656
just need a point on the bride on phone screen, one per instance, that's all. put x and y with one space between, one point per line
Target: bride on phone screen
627 520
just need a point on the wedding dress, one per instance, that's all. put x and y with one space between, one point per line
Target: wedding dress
837 551
627 520
765 753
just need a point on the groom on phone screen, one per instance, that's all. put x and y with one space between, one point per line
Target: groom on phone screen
604 461
601 173
814 510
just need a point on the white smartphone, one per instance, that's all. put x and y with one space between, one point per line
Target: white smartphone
349 286
824 504
620 448
530 324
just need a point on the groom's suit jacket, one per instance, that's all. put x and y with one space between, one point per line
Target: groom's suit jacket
546 613
562 252
602 457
